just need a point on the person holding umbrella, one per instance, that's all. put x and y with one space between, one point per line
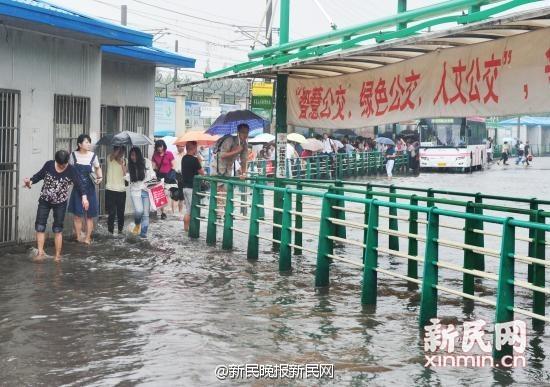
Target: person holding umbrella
232 148
115 189
87 167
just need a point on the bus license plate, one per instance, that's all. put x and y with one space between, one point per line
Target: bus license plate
441 164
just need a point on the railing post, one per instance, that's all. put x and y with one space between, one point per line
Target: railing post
244 193
370 258
211 228
317 167
505 287
325 246
195 223
261 210
308 168
539 299
285 259
288 168
412 265
533 206
368 196
227 241
328 169
393 223
428 300
339 214
479 264
298 222
470 257
254 226
277 215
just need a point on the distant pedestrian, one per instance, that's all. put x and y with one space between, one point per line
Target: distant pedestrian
190 167
504 153
489 146
87 166
140 172
414 157
527 154
520 152
115 189
390 160
177 195
58 175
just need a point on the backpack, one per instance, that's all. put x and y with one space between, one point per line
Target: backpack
218 145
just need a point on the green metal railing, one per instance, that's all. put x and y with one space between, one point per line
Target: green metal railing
338 166
378 30
351 215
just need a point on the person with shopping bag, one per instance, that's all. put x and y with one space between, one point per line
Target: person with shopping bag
140 173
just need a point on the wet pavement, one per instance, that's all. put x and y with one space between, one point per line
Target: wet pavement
168 310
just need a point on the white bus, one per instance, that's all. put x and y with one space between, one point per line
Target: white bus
453 144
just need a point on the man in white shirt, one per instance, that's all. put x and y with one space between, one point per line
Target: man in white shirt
328 144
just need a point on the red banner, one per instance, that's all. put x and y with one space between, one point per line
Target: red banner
502 77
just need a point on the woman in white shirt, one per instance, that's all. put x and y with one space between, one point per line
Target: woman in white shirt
85 163
140 172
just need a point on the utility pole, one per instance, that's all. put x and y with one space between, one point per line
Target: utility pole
123 15
176 69
280 124
401 7
268 30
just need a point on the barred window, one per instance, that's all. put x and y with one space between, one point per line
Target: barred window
71 119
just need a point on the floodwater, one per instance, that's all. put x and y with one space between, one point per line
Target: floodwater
168 310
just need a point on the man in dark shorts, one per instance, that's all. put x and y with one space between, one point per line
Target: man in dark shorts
58 175
190 167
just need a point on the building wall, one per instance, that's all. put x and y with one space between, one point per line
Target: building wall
41 66
128 84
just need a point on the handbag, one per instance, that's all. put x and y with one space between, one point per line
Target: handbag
170 176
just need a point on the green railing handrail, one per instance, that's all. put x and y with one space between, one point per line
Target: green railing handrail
329 231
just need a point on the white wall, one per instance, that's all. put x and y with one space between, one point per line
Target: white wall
128 84
40 66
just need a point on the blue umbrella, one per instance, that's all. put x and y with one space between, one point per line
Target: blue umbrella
227 123
385 141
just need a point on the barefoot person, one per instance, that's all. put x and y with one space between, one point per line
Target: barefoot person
85 162
58 176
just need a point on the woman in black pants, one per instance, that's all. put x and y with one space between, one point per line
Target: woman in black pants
115 189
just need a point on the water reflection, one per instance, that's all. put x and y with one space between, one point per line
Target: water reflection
168 310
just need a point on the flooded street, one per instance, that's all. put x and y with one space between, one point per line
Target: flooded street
168 310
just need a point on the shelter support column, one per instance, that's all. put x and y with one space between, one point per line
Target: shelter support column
280 128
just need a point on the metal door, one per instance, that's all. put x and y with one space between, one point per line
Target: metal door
9 165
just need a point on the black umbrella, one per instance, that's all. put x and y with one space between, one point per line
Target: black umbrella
409 134
125 138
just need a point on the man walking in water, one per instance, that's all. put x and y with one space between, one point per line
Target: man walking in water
58 176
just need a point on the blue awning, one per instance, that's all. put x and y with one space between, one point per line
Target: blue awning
152 55
526 120
40 16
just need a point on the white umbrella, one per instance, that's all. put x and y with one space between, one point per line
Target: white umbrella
296 137
338 144
169 140
313 145
262 138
